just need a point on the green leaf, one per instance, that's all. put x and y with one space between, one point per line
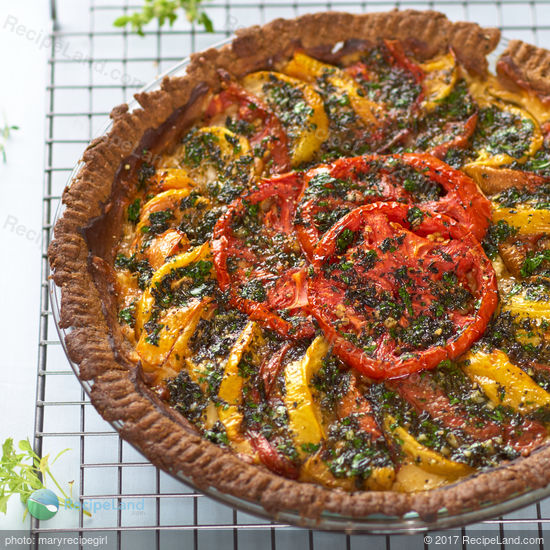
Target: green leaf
7 448
25 445
5 132
23 473
43 464
165 10
206 22
121 21
4 503
59 454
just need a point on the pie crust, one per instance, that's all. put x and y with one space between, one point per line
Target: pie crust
87 232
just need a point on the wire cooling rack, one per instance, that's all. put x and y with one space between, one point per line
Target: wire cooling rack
93 66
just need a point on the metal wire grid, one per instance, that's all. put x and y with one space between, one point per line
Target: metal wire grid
93 66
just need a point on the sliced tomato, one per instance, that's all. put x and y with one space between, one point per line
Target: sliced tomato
269 131
390 63
450 115
397 289
495 180
258 259
359 71
271 367
331 191
392 80
463 200
354 403
462 131
270 457
517 248
425 396
172 241
395 47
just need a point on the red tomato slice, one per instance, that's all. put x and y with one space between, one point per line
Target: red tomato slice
258 258
397 289
395 56
270 368
355 403
271 458
401 60
460 141
390 63
331 191
359 71
463 201
425 396
270 131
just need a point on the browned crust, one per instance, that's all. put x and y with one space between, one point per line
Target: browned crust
174 449
117 393
526 66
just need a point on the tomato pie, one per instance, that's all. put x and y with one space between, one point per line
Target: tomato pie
314 271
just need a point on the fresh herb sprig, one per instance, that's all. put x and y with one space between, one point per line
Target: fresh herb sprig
166 11
5 133
22 473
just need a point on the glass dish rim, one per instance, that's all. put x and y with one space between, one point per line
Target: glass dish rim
376 524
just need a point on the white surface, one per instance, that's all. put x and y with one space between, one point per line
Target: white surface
22 99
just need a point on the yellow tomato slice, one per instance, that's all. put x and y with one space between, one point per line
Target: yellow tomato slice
146 302
527 220
231 387
423 457
522 98
180 350
381 479
441 76
165 245
412 479
306 68
504 383
175 178
220 147
169 199
304 415
520 305
487 159
163 201
316 471
480 89
155 357
305 139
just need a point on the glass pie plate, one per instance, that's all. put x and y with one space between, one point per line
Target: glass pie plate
373 524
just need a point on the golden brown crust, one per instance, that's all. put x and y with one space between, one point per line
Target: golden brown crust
526 66
426 33
175 449
117 393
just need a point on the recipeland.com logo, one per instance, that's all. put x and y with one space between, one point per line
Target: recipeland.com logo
44 504
24 473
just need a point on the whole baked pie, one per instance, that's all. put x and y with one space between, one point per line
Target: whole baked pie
314 272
